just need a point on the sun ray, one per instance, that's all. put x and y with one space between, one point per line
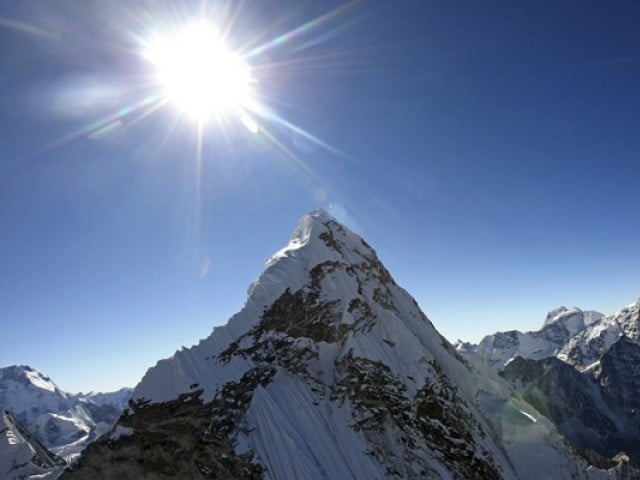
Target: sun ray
28 28
298 31
147 105
249 122
289 154
300 163
320 61
264 112
198 177
168 134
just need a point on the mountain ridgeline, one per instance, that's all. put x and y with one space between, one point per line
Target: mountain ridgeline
331 371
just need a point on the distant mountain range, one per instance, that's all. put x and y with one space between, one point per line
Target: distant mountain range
582 371
332 371
576 337
48 422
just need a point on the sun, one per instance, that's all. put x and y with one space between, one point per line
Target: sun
198 73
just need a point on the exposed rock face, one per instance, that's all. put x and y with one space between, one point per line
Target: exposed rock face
165 440
329 371
618 374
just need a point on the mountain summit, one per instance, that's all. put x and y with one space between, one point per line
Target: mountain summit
330 370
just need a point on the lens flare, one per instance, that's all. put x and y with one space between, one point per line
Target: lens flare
198 73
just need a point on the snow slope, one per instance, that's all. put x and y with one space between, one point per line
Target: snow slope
22 456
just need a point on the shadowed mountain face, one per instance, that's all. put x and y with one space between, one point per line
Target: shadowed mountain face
572 400
619 377
330 370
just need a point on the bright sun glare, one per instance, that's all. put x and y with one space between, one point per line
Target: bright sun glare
199 74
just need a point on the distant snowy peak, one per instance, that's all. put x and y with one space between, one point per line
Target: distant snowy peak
629 320
591 316
572 319
560 326
588 345
575 336
462 346
23 376
28 393
553 314
63 422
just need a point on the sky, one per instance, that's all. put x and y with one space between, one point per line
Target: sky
489 152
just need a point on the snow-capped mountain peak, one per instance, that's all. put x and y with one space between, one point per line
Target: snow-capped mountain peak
573 319
28 377
553 314
308 228
27 393
330 370
576 337
585 347
561 326
321 255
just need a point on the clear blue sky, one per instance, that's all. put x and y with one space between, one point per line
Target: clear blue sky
489 151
